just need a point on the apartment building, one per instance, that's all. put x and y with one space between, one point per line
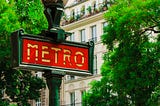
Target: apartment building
84 19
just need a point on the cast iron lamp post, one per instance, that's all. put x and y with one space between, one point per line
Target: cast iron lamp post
53 12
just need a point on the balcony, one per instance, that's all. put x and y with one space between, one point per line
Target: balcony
84 13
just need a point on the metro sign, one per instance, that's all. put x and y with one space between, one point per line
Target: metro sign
54 55
41 53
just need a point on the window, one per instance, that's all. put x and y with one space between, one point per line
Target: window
72 98
95 65
72 13
94 6
83 10
94 33
82 94
72 37
38 102
72 77
72 16
83 37
75 1
39 74
104 25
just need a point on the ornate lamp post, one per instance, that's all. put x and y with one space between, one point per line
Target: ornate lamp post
53 12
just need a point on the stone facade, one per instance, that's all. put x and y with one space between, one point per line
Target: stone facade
88 26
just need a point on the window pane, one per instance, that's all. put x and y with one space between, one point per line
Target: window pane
38 102
94 33
72 98
72 37
104 25
83 37
95 65
39 74
72 77
82 93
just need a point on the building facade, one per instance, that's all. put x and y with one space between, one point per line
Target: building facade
84 19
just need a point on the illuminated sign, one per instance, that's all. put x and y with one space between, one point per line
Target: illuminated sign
39 53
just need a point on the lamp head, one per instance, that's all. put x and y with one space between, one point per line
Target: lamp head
53 10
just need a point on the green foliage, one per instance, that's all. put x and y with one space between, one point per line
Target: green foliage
12 105
20 86
132 69
7 16
30 15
